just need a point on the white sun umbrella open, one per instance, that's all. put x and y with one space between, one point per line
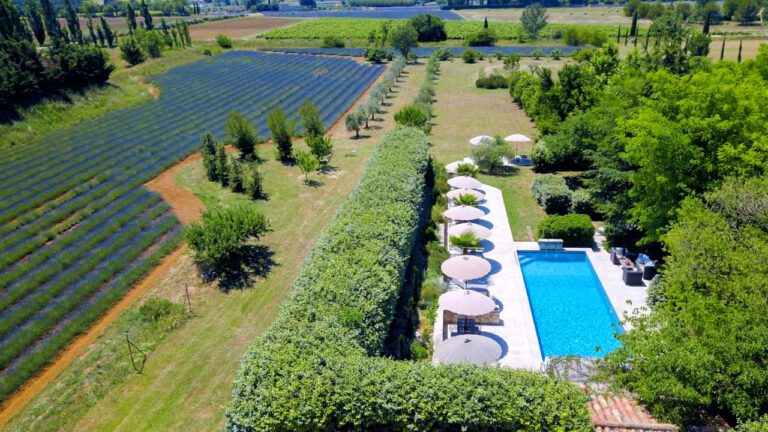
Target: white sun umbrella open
466 267
452 167
476 230
466 303
469 349
480 139
463 213
464 182
456 193
517 138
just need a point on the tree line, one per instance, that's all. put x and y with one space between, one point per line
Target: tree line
68 61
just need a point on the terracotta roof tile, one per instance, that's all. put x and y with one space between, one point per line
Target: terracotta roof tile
618 413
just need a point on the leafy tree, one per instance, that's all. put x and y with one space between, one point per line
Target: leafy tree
35 21
146 15
488 155
352 123
221 233
512 62
107 31
130 18
429 28
534 18
698 44
404 38
223 41
131 51
282 131
321 147
311 121
747 12
151 42
242 135
208 151
701 352
307 162
332 42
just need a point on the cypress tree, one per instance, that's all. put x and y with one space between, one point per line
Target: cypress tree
633 28
146 15
208 150
705 30
738 58
235 175
618 36
635 41
73 22
92 33
722 49
626 37
11 25
100 34
647 38
36 21
130 17
222 167
174 35
51 21
485 23
107 31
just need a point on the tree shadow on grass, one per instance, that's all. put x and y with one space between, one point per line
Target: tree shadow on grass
250 262
314 183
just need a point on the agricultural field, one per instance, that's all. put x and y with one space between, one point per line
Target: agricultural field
527 50
350 28
559 15
242 27
381 13
79 228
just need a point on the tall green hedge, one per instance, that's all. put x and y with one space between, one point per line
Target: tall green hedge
552 194
318 366
576 230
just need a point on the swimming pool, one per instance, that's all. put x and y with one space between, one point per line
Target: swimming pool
571 311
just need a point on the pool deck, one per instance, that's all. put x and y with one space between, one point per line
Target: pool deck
517 332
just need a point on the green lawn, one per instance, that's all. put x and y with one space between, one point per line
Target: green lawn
188 378
464 111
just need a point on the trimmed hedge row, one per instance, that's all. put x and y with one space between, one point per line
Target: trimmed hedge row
575 230
552 193
317 367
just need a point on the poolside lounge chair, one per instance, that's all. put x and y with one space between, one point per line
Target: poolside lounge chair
647 265
632 275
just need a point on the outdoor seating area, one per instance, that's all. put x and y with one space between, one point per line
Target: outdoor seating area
635 267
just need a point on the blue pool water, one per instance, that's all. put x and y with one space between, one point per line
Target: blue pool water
572 313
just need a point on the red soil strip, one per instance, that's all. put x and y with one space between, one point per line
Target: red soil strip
187 207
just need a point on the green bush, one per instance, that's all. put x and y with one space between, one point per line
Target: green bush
411 115
318 367
575 230
332 42
493 81
485 37
552 194
581 202
377 55
471 56
224 41
760 425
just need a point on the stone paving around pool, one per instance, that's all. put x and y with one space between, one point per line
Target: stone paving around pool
516 332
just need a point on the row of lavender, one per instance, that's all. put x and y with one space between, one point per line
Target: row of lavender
77 226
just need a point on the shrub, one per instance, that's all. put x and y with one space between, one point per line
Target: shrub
467 170
130 51
575 230
411 115
485 37
317 366
471 56
443 54
552 194
581 202
332 42
493 81
224 41
252 181
377 55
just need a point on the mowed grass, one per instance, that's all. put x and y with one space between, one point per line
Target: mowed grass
464 111
187 380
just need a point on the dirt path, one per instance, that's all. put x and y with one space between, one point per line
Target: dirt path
187 207
19 399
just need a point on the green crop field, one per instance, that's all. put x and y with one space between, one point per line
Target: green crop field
360 28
